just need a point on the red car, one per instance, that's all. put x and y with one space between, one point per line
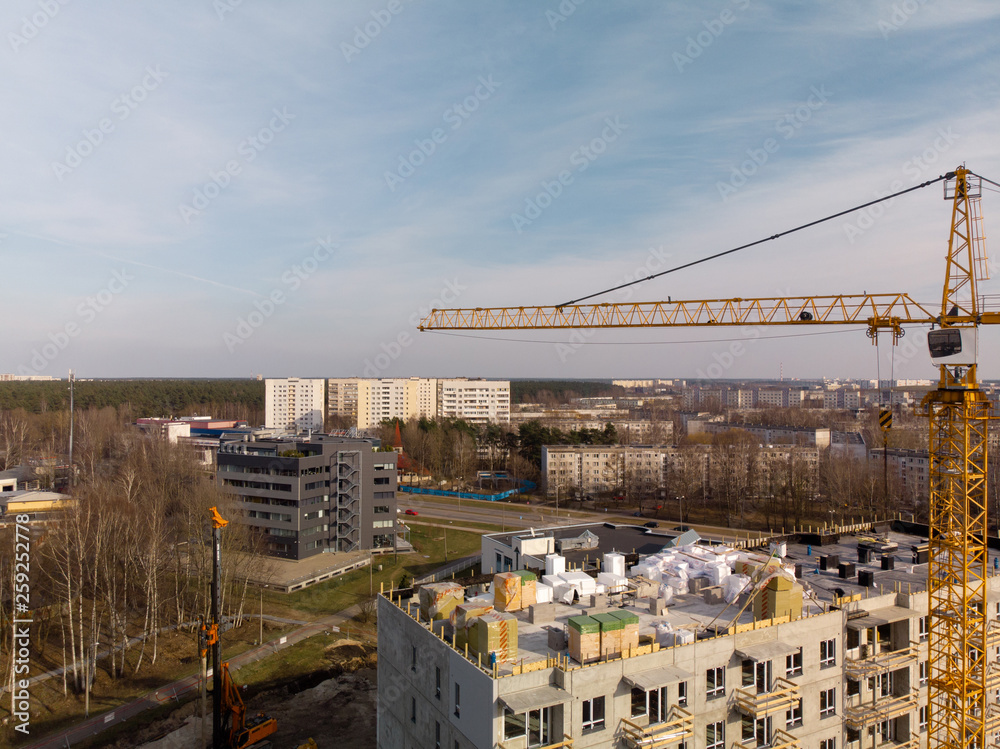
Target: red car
411 512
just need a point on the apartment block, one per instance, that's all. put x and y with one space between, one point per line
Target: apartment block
294 404
642 469
911 467
306 497
370 401
475 401
846 667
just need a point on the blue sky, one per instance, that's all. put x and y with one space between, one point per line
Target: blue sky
226 188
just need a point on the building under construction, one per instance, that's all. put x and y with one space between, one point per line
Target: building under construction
816 640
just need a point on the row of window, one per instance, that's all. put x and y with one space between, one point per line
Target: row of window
238 483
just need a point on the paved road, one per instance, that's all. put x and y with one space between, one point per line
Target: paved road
182 687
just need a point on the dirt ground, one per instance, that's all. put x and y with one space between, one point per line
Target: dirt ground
334 705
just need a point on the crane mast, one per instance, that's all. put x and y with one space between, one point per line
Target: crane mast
961 633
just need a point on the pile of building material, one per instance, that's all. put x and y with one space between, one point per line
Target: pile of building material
493 636
612 576
584 638
630 628
438 600
675 568
779 596
565 584
668 637
462 615
513 591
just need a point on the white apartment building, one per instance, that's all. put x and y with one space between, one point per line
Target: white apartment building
370 401
294 404
475 401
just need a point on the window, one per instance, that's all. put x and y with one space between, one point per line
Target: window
923 673
458 700
638 702
716 678
413 709
853 687
593 714
682 694
437 735
828 743
793 717
437 682
793 664
880 684
756 732
922 719
413 658
828 702
513 724
827 653
923 630
715 735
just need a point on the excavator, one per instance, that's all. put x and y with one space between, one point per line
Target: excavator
963 636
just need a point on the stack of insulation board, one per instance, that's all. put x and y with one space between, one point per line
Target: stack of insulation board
612 582
543 593
437 600
630 628
462 615
584 638
611 633
555 564
781 596
507 591
493 633
528 591
614 563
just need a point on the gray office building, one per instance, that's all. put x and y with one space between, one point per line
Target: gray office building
308 496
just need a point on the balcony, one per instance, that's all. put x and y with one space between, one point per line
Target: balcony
678 727
566 743
779 740
873 663
885 708
783 695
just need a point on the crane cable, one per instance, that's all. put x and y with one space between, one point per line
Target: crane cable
761 241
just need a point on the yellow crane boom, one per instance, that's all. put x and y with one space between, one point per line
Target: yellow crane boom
960 638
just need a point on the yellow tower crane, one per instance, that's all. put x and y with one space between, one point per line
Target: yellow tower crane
961 635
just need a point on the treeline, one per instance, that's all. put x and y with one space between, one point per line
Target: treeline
559 391
234 399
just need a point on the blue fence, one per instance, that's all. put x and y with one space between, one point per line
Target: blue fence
525 485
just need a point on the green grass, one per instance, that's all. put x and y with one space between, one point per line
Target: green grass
354 587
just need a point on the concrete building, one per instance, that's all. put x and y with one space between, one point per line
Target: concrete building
310 496
294 404
911 467
475 401
643 469
371 401
848 671
169 429
766 435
